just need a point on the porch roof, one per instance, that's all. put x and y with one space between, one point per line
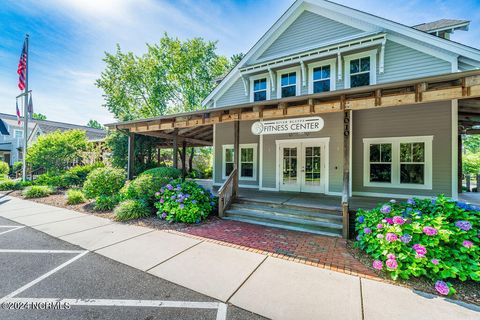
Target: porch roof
195 128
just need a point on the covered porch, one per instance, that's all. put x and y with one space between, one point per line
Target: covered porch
195 129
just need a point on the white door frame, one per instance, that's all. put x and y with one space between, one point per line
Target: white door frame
324 176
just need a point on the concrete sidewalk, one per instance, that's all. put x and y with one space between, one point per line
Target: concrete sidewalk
268 286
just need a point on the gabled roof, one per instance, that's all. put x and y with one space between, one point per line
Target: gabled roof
348 15
47 126
442 24
3 128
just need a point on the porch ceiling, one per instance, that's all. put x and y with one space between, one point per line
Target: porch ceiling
460 85
469 115
193 136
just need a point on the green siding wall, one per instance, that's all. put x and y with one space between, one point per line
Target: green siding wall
403 63
419 120
307 30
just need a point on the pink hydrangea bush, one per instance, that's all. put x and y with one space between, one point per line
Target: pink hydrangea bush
436 238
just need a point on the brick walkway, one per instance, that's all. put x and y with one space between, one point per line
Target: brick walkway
324 252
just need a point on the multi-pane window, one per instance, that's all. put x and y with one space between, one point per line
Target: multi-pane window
381 162
288 84
321 79
260 89
412 163
228 161
18 134
360 72
404 162
247 162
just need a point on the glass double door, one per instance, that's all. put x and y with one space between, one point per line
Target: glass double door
302 166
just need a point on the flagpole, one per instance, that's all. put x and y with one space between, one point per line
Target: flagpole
25 117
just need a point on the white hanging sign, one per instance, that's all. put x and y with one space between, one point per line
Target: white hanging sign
297 125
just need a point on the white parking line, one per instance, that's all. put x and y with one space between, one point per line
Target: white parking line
34 282
39 251
220 306
13 229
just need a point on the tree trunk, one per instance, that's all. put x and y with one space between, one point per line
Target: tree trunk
190 159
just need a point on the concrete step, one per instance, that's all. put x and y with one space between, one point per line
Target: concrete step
269 223
290 212
310 208
283 220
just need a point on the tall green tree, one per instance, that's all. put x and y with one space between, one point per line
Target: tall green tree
39 116
172 76
57 150
94 124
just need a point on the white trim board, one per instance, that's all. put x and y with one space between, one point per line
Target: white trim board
389 195
395 162
355 18
325 173
455 149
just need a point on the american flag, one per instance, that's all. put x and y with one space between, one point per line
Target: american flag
18 114
22 68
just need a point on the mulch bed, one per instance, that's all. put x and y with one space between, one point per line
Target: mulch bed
331 253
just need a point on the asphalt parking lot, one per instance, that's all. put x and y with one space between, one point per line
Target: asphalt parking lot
45 278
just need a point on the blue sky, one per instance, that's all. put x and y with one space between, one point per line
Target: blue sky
69 38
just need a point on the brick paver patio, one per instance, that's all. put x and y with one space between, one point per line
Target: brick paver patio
321 251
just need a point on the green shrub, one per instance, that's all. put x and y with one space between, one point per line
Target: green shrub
144 188
131 209
437 238
106 203
75 196
8 184
104 182
164 172
52 179
4 168
17 166
77 175
38 191
184 202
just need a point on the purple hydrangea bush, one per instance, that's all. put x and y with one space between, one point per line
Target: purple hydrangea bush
184 202
436 238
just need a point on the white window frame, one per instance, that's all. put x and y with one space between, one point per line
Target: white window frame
265 76
297 84
333 73
253 146
15 133
395 181
373 66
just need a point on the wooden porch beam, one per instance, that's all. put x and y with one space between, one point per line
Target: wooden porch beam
236 156
131 155
179 138
175 150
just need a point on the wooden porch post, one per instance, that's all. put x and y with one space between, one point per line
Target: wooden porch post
175 149
131 155
184 159
460 168
346 172
236 154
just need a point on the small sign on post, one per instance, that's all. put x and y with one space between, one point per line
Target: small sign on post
297 125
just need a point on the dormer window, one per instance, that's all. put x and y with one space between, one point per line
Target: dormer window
360 69
360 72
260 88
288 82
321 76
